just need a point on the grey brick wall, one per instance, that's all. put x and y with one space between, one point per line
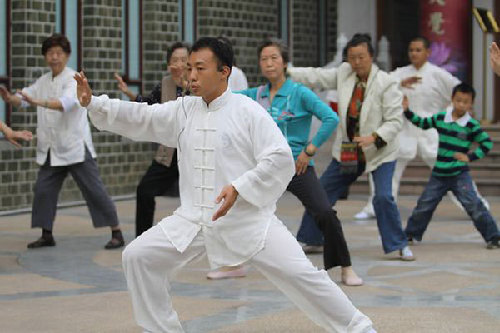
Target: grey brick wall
305 32
331 30
122 162
247 23
160 29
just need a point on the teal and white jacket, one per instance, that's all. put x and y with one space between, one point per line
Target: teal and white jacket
292 109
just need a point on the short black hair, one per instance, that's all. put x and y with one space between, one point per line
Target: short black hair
359 39
225 39
424 40
464 88
223 52
175 46
277 43
56 40
232 43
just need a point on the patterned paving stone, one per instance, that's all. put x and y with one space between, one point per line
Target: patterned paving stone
454 286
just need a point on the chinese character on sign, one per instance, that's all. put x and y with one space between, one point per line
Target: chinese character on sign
439 2
436 23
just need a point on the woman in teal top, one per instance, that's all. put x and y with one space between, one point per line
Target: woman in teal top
292 107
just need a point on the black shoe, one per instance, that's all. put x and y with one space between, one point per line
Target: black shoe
115 242
493 244
41 242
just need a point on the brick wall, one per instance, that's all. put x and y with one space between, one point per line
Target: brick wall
331 30
304 33
247 23
160 30
122 162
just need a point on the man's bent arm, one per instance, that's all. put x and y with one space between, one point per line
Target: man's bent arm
275 165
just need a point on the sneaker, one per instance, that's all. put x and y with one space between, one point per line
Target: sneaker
493 244
42 242
405 254
227 273
312 249
362 215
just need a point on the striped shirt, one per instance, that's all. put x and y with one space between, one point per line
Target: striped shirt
454 137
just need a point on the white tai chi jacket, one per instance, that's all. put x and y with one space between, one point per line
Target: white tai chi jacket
381 112
65 133
230 141
431 95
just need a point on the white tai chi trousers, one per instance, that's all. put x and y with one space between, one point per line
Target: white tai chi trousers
151 261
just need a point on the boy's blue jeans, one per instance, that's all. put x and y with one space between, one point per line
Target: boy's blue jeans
462 188
386 210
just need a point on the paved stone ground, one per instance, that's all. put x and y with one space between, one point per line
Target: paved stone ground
454 286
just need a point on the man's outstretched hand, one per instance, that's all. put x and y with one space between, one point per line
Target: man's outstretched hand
83 91
495 57
229 194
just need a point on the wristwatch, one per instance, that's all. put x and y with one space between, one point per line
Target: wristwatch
308 153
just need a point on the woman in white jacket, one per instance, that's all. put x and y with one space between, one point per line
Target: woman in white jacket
370 115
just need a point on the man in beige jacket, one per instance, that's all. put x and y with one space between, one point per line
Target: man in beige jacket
370 115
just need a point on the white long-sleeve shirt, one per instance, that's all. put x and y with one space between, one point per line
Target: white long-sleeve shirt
433 93
427 97
65 133
230 141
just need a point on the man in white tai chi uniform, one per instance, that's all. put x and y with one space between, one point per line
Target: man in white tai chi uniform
234 164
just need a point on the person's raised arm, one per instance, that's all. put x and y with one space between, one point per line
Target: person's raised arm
124 87
321 78
15 136
54 104
137 121
10 98
422 122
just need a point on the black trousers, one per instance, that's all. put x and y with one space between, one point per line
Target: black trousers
86 175
311 194
157 180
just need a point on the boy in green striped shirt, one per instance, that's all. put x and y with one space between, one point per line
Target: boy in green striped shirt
457 131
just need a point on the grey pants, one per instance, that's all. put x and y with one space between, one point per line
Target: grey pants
86 175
